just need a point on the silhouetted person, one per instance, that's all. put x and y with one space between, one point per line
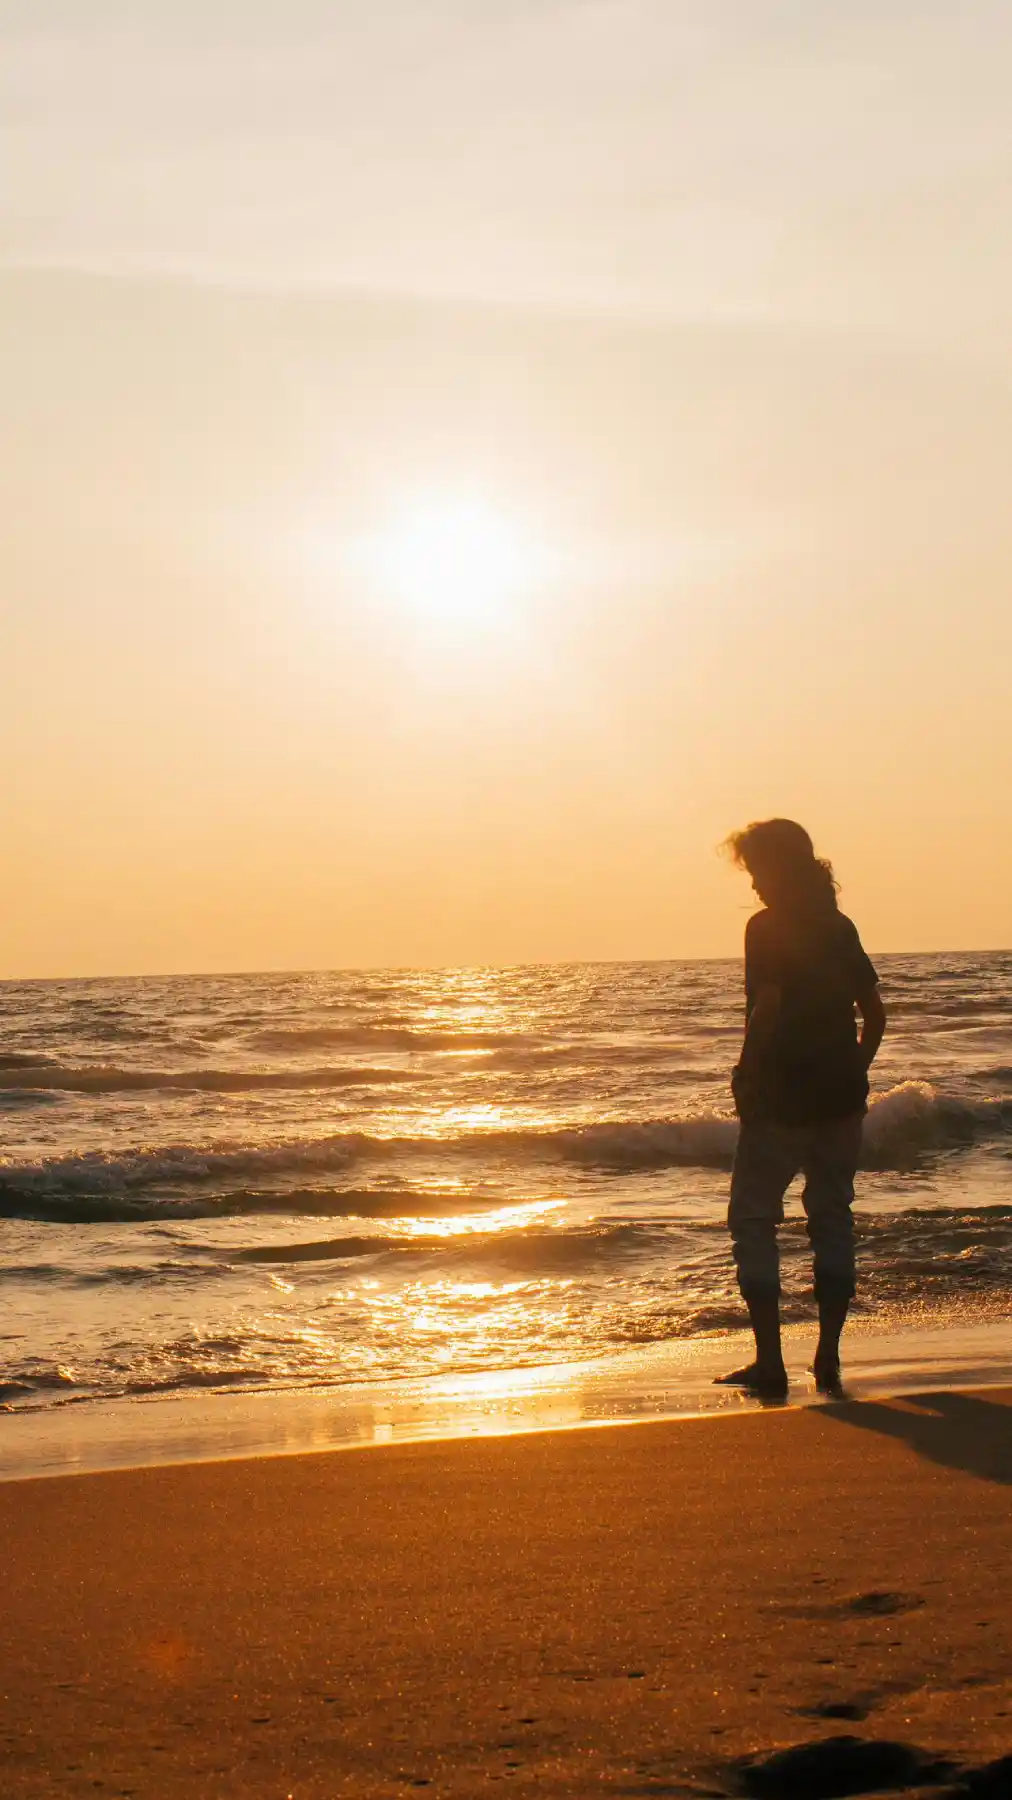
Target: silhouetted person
801 1090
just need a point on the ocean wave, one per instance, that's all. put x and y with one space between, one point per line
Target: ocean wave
908 1122
105 1079
941 1240
703 1141
544 1250
914 1119
105 1275
325 1203
933 1005
13 1099
287 1040
941 1230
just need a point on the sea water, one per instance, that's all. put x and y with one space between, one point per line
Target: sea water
301 1181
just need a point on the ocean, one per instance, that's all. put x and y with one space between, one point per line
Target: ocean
281 1182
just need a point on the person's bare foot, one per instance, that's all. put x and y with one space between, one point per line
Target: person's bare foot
828 1379
769 1383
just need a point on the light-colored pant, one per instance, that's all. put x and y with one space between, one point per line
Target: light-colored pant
767 1159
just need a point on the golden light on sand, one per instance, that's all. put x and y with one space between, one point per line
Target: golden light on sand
453 559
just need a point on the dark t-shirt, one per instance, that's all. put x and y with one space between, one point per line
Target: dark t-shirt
813 1069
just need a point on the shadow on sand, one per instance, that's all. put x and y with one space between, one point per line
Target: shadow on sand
962 1431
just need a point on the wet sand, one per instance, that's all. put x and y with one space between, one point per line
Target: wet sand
651 1381
620 1611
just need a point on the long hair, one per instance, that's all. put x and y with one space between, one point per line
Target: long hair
782 856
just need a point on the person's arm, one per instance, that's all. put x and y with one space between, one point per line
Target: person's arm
761 1028
759 1034
762 986
873 1024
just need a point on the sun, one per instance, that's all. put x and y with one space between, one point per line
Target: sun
453 559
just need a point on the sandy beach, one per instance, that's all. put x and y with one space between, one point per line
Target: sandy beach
624 1610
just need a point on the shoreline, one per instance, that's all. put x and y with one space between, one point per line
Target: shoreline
662 1382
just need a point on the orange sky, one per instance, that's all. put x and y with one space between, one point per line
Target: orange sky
705 303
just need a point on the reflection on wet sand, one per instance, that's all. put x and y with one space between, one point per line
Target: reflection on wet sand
650 1382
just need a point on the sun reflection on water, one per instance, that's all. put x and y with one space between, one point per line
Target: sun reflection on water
463 1323
503 1218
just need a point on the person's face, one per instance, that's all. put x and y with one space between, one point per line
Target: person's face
764 883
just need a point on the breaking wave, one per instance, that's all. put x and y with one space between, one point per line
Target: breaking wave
909 1122
914 1119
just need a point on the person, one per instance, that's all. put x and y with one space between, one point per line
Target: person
800 1089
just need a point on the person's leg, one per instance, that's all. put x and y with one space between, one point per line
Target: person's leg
765 1164
763 1305
830 1164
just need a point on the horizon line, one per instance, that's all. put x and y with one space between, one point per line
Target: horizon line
580 962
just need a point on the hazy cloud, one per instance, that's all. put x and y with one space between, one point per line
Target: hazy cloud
764 158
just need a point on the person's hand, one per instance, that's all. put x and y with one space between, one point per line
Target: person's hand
746 1098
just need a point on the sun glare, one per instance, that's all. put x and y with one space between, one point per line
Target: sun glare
453 559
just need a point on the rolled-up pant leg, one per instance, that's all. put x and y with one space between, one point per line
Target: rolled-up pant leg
766 1161
830 1164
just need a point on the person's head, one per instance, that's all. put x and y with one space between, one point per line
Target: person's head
786 873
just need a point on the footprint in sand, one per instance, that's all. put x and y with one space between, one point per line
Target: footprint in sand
838 1709
880 1603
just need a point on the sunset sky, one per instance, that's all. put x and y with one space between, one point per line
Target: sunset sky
462 457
